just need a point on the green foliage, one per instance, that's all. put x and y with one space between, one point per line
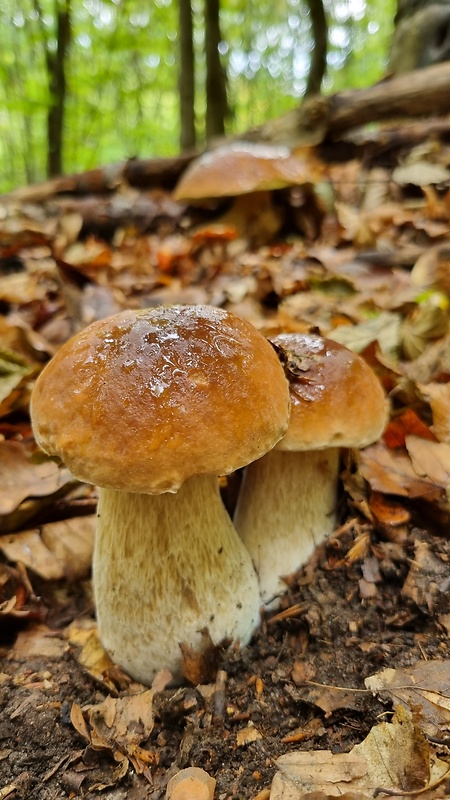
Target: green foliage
123 72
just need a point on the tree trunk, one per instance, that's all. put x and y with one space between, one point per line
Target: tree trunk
55 62
318 65
216 82
186 82
56 69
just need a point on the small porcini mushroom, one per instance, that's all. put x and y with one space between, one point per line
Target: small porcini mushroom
287 502
248 172
152 406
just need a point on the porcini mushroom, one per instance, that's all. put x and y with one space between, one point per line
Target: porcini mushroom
151 406
287 502
247 172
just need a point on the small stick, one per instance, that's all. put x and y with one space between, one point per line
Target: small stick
219 696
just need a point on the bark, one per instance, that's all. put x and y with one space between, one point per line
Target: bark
423 92
56 76
150 173
216 84
56 68
186 83
319 28
426 91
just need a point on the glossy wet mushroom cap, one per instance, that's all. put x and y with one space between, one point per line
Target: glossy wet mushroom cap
239 168
336 399
144 400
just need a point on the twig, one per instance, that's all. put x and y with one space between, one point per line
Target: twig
338 688
293 611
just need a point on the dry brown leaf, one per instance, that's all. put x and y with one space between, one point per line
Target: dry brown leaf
78 721
384 329
399 427
392 472
20 477
40 641
20 288
432 364
444 620
120 725
438 396
329 698
192 783
424 687
71 541
248 734
54 551
92 253
92 655
432 267
29 549
420 173
428 579
428 321
394 755
430 460
388 511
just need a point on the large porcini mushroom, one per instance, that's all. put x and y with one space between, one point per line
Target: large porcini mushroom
287 502
152 406
247 172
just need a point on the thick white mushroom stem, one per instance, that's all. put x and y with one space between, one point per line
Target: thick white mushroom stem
165 567
286 506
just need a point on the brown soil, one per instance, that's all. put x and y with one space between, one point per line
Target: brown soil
281 684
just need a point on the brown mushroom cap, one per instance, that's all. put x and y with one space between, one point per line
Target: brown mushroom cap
244 167
143 400
336 399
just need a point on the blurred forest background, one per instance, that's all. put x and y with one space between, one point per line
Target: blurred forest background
89 82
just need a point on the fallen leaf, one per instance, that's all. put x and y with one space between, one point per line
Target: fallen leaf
191 783
120 725
54 551
433 363
428 579
92 655
246 735
420 173
388 511
424 687
406 423
384 329
14 370
392 472
330 698
430 460
20 288
394 755
438 396
20 477
40 641
426 322
71 541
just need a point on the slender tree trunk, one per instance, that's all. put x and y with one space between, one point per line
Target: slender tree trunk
216 82
318 65
186 83
55 61
56 67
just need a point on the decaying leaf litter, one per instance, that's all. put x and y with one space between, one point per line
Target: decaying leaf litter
345 689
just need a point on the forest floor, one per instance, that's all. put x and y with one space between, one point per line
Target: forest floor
344 690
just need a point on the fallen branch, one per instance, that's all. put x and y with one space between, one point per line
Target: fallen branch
317 120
